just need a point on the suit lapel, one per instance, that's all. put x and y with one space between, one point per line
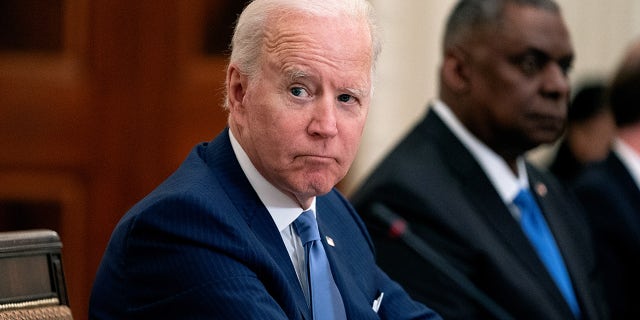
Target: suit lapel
486 202
625 193
623 177
267 233
328 228
562 226
221 158
482 196
333 222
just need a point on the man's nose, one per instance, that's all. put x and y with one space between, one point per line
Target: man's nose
556 82
324 119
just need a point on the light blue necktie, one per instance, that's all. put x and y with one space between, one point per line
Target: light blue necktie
537 230
326 301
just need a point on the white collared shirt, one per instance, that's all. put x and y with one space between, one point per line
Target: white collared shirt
497 170
283 210
629 158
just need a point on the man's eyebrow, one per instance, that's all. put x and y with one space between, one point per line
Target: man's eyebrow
356 92
295 74
541 54
534 51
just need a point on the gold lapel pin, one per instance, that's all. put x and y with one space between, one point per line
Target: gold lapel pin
541 189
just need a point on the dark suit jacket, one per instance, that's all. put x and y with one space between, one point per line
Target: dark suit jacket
203 246
435 183
612 199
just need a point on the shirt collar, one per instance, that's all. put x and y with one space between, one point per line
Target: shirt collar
283 209
505 182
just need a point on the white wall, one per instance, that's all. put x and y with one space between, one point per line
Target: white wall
407 70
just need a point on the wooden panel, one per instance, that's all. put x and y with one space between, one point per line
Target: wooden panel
20 214
92 124
45 127
219 19
205 28
43 87
44 119
31 25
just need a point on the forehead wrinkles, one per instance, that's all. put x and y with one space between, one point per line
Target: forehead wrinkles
298 47
333 39
286 44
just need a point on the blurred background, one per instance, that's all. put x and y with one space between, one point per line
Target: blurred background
100 100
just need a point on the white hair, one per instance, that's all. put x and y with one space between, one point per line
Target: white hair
249 33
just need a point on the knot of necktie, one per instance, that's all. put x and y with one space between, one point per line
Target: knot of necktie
525 201
307 227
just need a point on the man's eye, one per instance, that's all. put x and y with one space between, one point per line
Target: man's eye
298 92
530 64
565 65
345 98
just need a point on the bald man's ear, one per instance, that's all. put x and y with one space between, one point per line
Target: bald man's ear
455 70
236 88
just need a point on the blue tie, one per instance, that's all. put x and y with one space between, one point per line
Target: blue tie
537 230
326 301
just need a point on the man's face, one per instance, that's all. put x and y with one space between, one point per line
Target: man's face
301 118
518 78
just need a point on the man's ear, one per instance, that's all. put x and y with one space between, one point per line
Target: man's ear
236 88
455 70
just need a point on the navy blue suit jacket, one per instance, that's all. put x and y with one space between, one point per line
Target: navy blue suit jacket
612 199
203 246
436 184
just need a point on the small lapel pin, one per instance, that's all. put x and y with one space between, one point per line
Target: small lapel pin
541 189
330 241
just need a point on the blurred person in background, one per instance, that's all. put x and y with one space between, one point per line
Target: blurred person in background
589 132
610 192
